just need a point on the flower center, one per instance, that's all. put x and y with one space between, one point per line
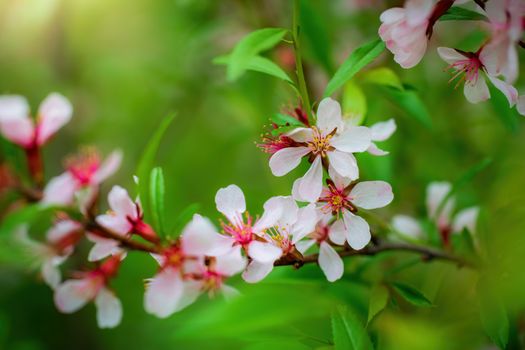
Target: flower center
336 200
321 233
84 165
173 257
280 236
466 70
320 144
241 231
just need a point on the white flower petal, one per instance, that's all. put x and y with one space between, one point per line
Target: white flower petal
54 112
116 224
450 55
287 159
344 164
436 193
371 194
61 229
329 115
478 91
309 187
103 247
273 210
15 124
376 151
301 134
231 263
357 230
306 220
466 218
264 252
330 262
200 237
418 11
164 293
408 226
303 246
508 90
230 202
51 273
353 139
256 271
383 130
109 309
337 232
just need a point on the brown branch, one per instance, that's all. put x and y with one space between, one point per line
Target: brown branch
128 243
427 254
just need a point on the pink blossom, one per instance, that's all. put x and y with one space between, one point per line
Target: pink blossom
60 243
329 260
342 199
404 31
329 142
72 295
470 68
17 126
125 216
82 178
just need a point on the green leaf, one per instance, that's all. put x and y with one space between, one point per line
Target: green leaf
354 102
157 195
456 13
285 119
146 163
357 60
315 30
259 64
409 101
508 116
383 76
184 217
24 216
348 331
249 46
412 295
493 314
378 300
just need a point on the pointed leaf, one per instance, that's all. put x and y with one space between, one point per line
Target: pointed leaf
456 13
259 64
493 314
348 331
249 46
357 60
378 300
157 193
412 295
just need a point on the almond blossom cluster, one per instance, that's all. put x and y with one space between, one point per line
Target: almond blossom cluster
406 32
321 210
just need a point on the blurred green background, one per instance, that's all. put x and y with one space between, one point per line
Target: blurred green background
126 65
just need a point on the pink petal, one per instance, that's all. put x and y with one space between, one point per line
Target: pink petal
330 262
114 223
120 202
418 11
287 159
109 309
15 124
376 151
508 90
103 247
392 15
51 273
54 112
450 55
256 271
353 139
200 237
60 190
521 105
371 194
436 193
72 295
264 252
61 229
329 115
108 168
230 202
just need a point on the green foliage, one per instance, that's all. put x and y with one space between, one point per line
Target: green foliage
157 195
379 296
407 99
146 162
251 45
259 64
357 60
349 332
184 217
493 314
456 13
25 215
383 76
285 119
411 294
353 103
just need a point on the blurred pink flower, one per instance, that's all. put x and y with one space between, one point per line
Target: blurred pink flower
17 126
